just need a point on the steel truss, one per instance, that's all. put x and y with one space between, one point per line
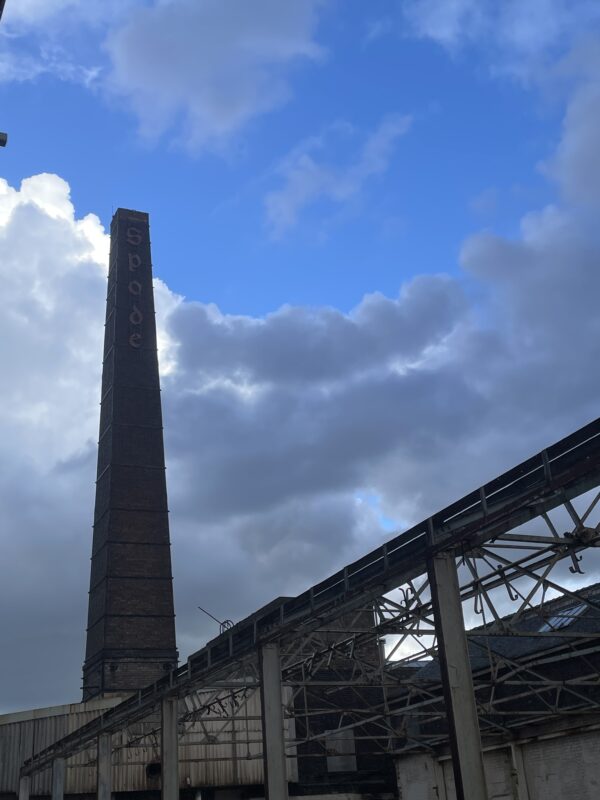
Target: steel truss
526 670
360 654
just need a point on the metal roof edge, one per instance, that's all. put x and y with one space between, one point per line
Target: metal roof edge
56 711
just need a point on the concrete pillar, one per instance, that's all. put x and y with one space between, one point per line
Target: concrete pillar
518 764
24 785
440 781
104 782
461 709
276 787
169 749
58 778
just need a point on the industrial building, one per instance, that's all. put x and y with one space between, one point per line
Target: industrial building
368 684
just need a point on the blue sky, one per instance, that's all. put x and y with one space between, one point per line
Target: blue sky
374 228
468 160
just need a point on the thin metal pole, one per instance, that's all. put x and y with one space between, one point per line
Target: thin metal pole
457 680
276 787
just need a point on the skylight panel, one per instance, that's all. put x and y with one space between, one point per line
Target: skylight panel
563 619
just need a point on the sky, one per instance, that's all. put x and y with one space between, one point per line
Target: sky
377 263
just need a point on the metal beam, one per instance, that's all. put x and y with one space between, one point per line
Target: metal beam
276 787
169 749
461 708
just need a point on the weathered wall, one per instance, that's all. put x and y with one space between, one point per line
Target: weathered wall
419 777
563 767
568 767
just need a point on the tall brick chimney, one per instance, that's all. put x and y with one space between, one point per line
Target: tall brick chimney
131 621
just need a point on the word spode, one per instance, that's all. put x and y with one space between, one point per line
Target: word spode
134 239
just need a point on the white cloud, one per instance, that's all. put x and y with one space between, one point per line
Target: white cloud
307 180
212 65
448 22
36 12
52 268
199 70
17 66
514 35
44 38
28 15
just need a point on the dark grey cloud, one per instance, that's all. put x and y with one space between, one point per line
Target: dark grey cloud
576 163
317 345
287 444
232 569
46 534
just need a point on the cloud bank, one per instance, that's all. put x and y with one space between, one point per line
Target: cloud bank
292 439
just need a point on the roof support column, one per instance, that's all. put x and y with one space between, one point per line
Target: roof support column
459 696
58 778
169 749
24 785
518 763
104 784
276 787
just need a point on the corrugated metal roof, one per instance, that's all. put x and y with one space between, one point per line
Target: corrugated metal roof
26 732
